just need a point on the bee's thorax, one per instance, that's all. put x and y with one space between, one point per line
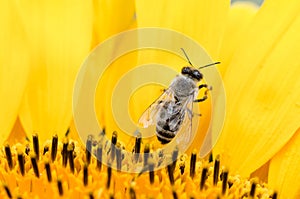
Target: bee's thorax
183 87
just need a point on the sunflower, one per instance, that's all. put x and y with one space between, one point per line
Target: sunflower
43 46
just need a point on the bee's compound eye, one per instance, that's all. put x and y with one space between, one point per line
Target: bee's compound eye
197 75
186 70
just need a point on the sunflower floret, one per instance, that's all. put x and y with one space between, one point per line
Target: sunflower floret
23 175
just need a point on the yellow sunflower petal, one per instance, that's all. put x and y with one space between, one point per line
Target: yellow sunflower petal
201 20
262 172
14 66
105 99
112 17
261 84
239 17
60 35
284 170
116 19
17 134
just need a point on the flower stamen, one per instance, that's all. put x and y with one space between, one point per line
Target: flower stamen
171 174
108 177
193 164
174 194
27 149
65 152
36 146
21 162
71 157
88 149
99 156
181 167
114 139
48 171
54 147
91 196
7 190
253 188
132 193
137 146
46 149
224 182
85 174
8 156
151 170
174 158
34 165
119 156
203 177
274 196
60 187
146 154
216 170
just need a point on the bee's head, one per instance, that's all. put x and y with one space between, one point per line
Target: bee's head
192 73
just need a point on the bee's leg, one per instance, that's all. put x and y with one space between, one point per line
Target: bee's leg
205 93
191 114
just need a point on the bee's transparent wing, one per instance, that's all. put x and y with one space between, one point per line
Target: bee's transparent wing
184 135
148 118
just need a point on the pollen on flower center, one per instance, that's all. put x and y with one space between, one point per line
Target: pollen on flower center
69 170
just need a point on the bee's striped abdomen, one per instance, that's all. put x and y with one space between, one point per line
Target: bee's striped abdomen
169 122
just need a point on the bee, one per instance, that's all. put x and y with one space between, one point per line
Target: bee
172 111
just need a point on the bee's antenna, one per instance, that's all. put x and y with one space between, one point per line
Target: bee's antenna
192 64
209 65
186 56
